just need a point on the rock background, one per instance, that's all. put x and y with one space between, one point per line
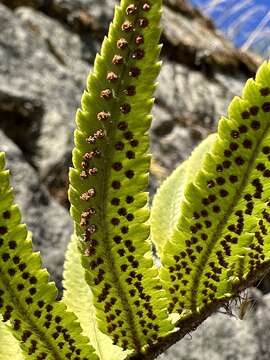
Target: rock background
222 337
47 48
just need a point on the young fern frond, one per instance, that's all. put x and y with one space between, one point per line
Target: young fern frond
166 207
221 242
111 164
43 327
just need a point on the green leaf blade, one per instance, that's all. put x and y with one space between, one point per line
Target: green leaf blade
221 243
77 288
166 207
42 326
110 208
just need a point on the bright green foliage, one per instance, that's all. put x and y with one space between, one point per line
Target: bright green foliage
9 346
210 219
43 326
197 157
111 164
76 289
221 242
166 207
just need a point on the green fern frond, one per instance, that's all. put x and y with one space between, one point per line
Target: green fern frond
221 243
111 163
166 207
77 288
43 327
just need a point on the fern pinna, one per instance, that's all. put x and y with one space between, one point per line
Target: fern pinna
110 174
43 327
209 221
220 241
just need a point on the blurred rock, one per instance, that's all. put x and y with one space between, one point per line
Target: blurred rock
61 42
21 117
87 14
13 4
80 15
188 107
189 39
49 222
41 60
222 337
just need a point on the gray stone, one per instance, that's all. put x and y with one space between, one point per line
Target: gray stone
101 11
193 98
192 39
15 3
173 148
199 42
222 337
188 107
20 118
49 222
31 67
61 42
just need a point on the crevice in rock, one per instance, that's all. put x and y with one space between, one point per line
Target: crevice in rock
57 182
209 63
13 4
20 120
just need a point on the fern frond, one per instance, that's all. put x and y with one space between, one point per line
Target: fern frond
77 288
111 163
166 207
221 243
42 325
